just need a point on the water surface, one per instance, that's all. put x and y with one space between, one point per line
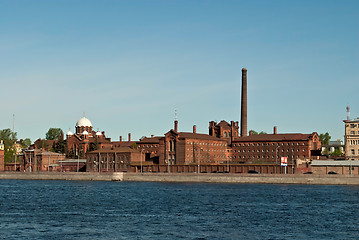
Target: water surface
139 210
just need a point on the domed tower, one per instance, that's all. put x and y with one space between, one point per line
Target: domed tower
83 125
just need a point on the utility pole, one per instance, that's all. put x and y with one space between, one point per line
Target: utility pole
13 136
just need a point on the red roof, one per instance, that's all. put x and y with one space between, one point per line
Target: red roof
275 137
199 136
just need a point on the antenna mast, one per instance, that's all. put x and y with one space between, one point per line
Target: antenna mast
13 137
348 113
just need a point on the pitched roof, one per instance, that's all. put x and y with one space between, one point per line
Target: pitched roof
117 150
150 140
199 136
275 137
223 124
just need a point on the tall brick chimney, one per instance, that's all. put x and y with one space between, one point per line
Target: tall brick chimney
129 137
275 130
244 104
120 138
194 129
176 126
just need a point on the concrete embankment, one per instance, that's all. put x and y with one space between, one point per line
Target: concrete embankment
81 176
190 177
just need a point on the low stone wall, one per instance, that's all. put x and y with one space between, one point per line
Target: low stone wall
190 177
245 178
76 176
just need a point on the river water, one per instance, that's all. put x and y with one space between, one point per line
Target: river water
139 210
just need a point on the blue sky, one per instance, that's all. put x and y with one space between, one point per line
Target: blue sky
130 64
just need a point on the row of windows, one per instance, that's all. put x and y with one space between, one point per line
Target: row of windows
147 146
260 156
354 142
207 144
207 150
353 125
199 156
267 144
352 152
353 132
267 150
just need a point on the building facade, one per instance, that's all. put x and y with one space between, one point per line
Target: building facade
351 139
37 160
113 159
2 156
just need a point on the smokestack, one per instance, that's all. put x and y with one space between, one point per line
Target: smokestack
348 113
194 129
176 125
129 137
275 130
120 138
244 104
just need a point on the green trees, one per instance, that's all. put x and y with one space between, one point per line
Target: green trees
336 153
256 133
25 143
9 139
324 138
53 133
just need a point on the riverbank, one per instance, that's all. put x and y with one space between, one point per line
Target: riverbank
189 177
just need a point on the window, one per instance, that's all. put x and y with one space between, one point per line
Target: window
352 132
352 152
352 125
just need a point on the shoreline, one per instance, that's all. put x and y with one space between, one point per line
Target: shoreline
312 179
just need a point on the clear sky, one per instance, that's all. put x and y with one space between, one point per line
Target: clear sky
129 64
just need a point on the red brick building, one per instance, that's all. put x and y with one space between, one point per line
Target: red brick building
112 159
36 160
268 148
224 145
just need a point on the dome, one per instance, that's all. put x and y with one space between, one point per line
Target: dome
83 122
69 133
85 133
98 133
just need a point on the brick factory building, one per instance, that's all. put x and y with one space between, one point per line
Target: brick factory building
36 160
112 159
227 143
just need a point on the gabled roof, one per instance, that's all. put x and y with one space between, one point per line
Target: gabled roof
275 137
223 124
116 150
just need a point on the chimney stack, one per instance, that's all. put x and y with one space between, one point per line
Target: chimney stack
348 113
275 130
176 126
194 129
129 137
120 138
244 104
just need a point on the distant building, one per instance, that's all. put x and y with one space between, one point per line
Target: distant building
268 148
332 147
351 139
85 139
37 160
224 145
113 159
2 153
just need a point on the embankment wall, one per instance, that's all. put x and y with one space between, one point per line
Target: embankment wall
190 177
